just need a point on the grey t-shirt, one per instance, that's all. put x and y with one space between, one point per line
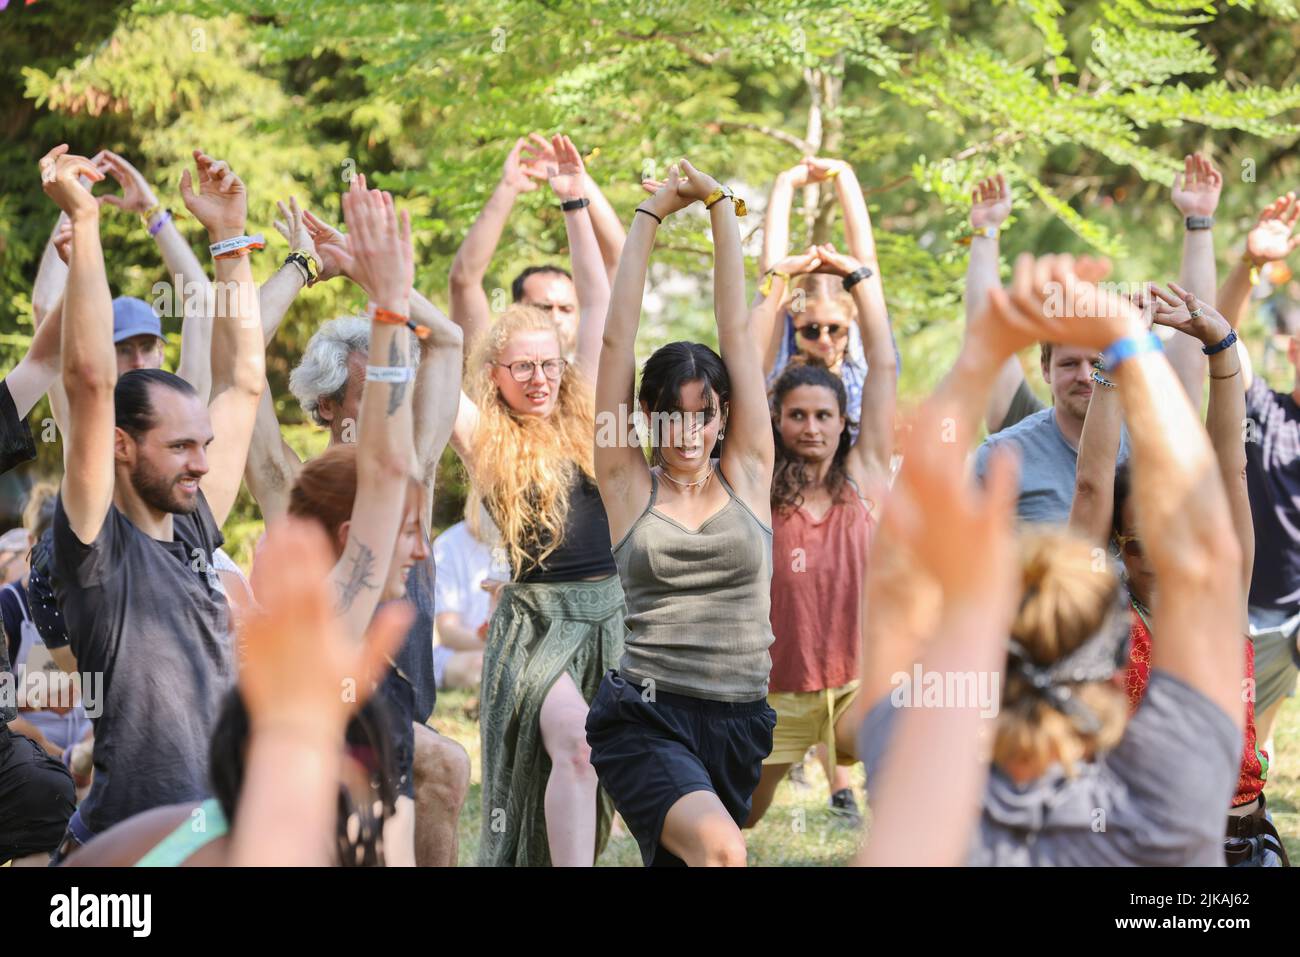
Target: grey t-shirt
1159 798
151 617
1047 466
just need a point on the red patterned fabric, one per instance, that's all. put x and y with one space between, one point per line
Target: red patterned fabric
1254 763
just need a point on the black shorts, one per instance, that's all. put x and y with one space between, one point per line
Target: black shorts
36 798
649 754
399 708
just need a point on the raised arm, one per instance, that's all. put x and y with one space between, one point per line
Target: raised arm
963 542
1183 514
437 393
749 451
238 356
190 282
38 370
89 365
1271 239
765 317
469 303
621 471
610 233
47 302
568 179
1093 508
1196 318
384 268
990 207
1196 194
873 448
776 221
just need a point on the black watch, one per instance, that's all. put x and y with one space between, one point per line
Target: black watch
855 277
569 205
1199 222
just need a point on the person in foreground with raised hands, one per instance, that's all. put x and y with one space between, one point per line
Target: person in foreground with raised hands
946 537
679 731
152 472
1064 757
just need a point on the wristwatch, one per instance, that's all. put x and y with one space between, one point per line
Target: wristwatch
305 263
1200 222
571 204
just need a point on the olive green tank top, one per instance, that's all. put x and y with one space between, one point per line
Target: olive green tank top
698 602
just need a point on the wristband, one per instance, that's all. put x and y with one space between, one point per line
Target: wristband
1222 344
657 219
299 260
1254 268
855 277
1199 222
394 319
988 232
152 211
236 246
569 205
765 287
1100 379
163 220
721 193
1130 346
389 373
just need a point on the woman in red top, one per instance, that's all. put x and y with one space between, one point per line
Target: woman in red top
821 528
1104 509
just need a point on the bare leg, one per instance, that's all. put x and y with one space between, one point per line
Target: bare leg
399 835
772 776
1264 731
571 788
441 783
699 830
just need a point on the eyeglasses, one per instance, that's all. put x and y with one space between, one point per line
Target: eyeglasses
1130 545
813 331
522 370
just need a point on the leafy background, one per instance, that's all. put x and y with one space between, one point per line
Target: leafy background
1088 110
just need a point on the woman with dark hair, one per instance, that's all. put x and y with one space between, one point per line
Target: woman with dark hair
1105 510
679 732
821 525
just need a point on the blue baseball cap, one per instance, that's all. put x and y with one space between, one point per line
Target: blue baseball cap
134 317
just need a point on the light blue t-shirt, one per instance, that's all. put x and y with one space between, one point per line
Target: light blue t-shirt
1047 466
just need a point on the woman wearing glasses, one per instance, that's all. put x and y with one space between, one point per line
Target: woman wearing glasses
524 432
806 314
1105 508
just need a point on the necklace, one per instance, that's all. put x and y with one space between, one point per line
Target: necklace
679 484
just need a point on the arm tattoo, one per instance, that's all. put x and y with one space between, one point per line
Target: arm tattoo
396 357
363 563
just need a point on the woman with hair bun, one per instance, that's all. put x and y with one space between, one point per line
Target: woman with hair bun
1073 780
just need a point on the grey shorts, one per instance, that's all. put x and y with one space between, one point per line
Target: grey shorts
1276 657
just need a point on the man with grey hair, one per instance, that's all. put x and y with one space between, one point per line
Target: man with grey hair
328 383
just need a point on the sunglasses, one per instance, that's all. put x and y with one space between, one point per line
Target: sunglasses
522 370
813 331
1130 545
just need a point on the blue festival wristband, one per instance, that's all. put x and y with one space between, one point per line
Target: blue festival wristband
1129 347
1227 341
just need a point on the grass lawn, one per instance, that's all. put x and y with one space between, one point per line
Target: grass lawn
799 829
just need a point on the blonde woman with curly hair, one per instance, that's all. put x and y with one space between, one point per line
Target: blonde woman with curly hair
525 435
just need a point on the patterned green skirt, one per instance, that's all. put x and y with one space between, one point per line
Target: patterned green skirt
538 632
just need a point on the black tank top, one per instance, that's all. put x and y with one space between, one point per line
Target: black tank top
584 550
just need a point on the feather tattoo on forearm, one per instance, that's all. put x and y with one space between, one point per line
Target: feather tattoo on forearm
363 563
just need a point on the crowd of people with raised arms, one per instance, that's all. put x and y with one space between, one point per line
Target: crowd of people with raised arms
1064 645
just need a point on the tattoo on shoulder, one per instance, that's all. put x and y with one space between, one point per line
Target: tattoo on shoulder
363 563
396 357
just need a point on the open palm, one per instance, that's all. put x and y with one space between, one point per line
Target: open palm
1273 236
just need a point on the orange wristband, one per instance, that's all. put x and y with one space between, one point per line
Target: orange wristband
396 319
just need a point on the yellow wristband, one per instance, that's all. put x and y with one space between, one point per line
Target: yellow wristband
722 193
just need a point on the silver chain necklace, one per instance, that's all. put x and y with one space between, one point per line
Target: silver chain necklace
679 484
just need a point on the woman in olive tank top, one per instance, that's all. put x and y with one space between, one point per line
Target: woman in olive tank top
822 522
679 731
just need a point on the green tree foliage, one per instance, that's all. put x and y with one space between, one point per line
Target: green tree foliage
1089 108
